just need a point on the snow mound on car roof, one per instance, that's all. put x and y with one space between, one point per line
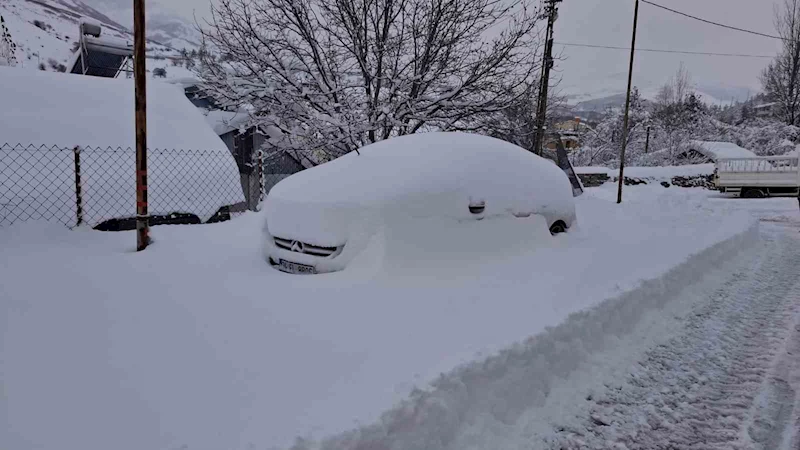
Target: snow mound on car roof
419 175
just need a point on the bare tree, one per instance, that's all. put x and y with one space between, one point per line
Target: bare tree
334 75
781 79
517 123
672 111
676 89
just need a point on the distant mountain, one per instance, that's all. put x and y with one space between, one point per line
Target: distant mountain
172 30
601 93
76 9
163 24
709 94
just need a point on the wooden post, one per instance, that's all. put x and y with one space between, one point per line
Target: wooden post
547 64
78 191
627 107
140 75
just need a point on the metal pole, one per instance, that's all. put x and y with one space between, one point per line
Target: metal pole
140 75
544 83
627 106
78 190
260 178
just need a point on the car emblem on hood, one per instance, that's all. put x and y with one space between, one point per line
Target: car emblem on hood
297 247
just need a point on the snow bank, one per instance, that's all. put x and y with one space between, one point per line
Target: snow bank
477 405
596 169
191 168
213 349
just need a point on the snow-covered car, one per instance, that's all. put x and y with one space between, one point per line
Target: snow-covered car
318 220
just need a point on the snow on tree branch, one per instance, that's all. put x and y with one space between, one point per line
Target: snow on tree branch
334 75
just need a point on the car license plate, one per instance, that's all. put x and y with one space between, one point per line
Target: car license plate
300 269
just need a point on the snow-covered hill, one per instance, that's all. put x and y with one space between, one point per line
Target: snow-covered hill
610 92
46 33
163 24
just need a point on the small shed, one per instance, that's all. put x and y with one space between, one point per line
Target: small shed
244 140
702 152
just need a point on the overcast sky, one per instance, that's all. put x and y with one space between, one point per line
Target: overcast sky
609 22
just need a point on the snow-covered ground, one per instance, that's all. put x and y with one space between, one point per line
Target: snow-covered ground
198 343
720 371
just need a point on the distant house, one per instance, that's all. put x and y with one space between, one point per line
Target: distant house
570 139
766 110
701 152
576 125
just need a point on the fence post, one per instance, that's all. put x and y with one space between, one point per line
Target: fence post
260 177
78 191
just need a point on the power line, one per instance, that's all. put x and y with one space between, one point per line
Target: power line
652 50
712 22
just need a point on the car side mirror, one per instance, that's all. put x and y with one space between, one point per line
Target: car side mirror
477 207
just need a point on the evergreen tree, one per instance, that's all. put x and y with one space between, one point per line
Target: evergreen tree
8 48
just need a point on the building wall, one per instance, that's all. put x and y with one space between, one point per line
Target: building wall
228 139
275 168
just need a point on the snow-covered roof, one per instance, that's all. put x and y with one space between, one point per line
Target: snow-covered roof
766 105
64 110
591 170
48 108
226 121
185 82
720 150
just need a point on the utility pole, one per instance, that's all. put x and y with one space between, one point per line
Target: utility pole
547 63
140 80
627 106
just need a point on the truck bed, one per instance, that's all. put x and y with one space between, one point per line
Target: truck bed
774 175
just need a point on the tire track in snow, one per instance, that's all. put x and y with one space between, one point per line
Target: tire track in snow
512 399
730 381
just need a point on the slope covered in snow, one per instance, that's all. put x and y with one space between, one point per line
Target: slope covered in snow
586 98
46 33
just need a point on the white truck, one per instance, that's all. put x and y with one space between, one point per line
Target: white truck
772 176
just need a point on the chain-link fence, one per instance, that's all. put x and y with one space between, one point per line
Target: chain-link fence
96 187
